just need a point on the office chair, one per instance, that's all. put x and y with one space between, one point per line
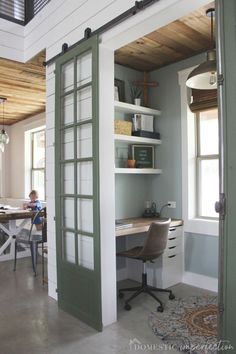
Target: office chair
32 238
153 247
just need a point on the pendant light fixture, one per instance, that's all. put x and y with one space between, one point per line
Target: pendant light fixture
4 138
204 77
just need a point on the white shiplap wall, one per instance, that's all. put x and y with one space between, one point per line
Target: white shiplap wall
11 40
65 21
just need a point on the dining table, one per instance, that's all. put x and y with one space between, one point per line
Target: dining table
12 221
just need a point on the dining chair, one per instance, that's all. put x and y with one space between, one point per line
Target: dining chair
32 238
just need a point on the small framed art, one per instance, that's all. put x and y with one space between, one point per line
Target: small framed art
119 90
143 155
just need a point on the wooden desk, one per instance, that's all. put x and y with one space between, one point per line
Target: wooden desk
141 225
8 224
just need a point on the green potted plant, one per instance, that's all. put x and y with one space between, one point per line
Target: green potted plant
136 93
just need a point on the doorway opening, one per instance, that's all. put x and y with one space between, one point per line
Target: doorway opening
155 66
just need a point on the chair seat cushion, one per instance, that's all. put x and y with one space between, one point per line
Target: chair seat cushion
131 253
23 236
36 237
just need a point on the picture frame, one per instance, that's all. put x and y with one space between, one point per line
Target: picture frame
119 90
143 155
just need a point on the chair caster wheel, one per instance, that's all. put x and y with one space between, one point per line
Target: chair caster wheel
160 309
171 296
127 307
121 295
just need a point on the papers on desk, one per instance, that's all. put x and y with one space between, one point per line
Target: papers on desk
122 225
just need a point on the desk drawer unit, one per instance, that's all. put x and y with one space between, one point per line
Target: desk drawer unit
168 269
172 259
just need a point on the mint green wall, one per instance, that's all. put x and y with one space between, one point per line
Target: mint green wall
201 254
131 192
168 186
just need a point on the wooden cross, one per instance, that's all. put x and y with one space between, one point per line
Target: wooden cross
146 85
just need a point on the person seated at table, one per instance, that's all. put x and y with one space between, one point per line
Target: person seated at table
34 204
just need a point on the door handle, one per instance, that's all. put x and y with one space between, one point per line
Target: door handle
220 206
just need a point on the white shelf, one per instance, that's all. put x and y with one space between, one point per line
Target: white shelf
136 139
147 171
132 108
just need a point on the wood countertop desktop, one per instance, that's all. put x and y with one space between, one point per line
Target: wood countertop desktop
141 225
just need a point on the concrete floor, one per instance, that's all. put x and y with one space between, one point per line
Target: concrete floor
31 323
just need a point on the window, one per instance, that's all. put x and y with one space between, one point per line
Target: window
38 162
200 158
207 163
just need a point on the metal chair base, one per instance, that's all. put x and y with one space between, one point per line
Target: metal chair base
145 288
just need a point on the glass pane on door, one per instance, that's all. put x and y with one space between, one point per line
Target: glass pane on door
84 141
68 109
85 178
85 215
69 213
84 104
67 76
68 143
68 178
84 69
69 247
86 251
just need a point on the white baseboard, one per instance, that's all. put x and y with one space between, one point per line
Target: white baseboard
201 281
121 274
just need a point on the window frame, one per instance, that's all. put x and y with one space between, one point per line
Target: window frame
192 223
199 158
32 168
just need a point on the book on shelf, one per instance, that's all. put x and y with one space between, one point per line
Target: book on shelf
142 122
122 225
146 134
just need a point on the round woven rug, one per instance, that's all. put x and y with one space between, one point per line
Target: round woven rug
188 325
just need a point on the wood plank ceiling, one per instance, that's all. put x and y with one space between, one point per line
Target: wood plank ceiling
24 86
183 38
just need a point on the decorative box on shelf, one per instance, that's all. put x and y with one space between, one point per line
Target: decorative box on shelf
123 127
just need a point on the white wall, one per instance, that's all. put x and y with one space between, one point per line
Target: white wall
17 154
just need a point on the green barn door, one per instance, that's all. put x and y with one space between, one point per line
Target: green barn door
77 183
